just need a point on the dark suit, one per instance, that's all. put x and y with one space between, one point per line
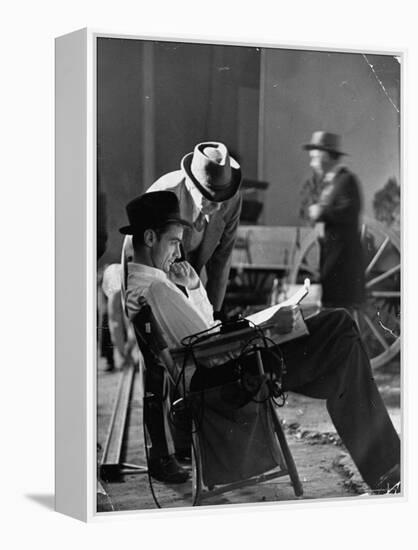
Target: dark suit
342 264
215 250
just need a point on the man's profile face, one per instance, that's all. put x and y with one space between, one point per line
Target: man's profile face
205 206
208 207
320 161
166 248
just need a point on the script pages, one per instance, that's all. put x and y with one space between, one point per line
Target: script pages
264 317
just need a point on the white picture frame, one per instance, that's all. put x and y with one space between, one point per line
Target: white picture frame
76 174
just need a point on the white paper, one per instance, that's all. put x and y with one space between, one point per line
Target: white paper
264 317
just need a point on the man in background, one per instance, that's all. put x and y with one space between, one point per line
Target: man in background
332 199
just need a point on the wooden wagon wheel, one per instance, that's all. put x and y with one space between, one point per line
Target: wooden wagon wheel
379 317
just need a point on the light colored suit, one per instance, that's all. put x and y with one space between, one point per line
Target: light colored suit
215 250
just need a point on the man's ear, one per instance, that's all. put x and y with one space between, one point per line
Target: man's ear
149 237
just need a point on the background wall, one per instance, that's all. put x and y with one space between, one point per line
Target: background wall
304 91
120 91
156 100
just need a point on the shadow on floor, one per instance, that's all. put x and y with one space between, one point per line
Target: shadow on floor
47 501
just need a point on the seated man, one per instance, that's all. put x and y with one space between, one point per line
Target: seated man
330 363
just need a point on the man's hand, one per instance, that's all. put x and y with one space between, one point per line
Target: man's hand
314 211
285 319
182 273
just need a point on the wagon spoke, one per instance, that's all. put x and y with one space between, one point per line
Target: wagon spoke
383 276
356 318
385 293
377 255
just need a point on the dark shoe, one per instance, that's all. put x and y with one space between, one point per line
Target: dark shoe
109 364
167 470
109 367
390 482
184 455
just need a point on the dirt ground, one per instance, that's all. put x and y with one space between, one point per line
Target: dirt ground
324 467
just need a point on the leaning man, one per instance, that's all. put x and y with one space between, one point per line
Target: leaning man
207 186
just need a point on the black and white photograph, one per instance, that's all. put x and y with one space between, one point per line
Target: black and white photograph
209 275
248 239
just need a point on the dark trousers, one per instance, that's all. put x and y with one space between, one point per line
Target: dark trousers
154 413
158 419
331 363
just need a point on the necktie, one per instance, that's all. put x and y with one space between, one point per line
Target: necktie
199 223
194 236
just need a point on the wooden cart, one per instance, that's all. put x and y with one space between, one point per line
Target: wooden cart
267 260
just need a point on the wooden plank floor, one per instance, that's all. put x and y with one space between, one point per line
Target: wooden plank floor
320 478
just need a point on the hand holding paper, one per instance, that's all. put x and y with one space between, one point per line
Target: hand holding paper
285 320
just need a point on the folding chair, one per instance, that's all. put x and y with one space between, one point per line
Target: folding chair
233 446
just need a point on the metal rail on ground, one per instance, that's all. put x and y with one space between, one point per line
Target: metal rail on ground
111 467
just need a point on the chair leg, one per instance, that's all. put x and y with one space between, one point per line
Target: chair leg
196 468
290 463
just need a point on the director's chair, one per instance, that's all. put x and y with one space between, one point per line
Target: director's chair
236 436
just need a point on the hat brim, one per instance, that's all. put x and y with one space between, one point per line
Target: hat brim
130 230
126 230
214 195
312 146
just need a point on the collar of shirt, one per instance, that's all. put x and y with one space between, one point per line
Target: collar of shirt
192 191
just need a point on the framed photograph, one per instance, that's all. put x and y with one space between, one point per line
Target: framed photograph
232 283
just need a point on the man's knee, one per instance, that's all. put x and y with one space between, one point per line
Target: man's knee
338 319
334 332
344 319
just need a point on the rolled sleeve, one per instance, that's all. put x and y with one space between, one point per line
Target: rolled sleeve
200 301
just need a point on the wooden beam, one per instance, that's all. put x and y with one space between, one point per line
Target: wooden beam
110 463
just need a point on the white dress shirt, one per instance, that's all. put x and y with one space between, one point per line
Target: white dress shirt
196 211
178 315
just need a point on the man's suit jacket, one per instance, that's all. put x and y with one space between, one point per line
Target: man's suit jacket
215 250
342 266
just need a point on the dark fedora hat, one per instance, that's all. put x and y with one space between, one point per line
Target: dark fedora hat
211 169
325 141
152 210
